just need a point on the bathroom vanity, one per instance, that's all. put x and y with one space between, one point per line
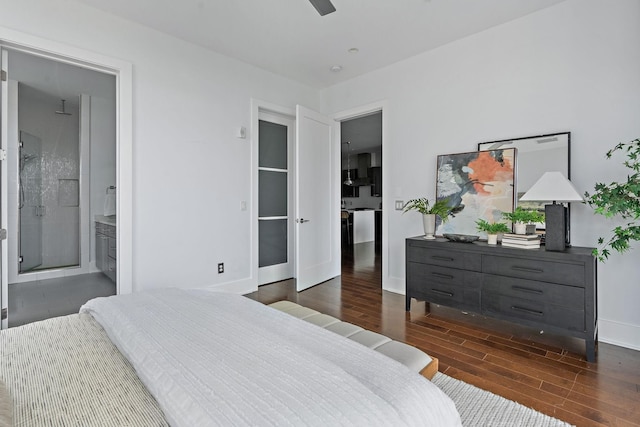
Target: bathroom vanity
106 245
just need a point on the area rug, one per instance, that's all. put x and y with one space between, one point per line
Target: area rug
478 407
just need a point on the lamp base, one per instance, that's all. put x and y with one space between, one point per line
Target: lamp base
556 227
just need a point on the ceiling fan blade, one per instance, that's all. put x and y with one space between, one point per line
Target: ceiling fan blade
324 7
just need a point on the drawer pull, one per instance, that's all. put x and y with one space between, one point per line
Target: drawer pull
527 310
442 276
445 293
529 290
442 258
527 269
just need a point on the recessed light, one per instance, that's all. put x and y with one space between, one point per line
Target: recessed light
354 50
336 68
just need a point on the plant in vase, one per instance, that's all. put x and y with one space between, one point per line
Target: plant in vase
492 229
620 199
521 217
429 212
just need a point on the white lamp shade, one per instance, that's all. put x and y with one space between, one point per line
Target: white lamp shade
552 186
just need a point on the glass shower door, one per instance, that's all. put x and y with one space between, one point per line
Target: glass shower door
30 202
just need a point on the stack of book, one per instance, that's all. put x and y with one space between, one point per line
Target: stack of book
524 241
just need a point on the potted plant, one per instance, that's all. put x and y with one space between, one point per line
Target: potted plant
429 212
521 217
620 199
492 229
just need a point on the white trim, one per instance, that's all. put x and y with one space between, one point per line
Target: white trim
389 283
242 286
619 333
4 247
123 71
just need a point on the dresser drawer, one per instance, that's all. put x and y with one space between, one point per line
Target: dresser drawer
445 258
535 269
539 312
446 286
566 296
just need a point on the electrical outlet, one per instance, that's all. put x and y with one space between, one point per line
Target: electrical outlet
220 267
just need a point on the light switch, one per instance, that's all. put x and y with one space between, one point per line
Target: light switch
399 205
243 205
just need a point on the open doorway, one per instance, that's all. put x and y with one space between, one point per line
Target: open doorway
61 161
361 198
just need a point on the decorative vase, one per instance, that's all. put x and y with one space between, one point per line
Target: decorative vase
429 223
521 228
492 239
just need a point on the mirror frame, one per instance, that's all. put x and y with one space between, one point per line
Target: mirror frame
517 142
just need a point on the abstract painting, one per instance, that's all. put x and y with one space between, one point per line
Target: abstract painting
478 184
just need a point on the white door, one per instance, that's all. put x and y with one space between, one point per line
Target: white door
317 211
4 134
276 136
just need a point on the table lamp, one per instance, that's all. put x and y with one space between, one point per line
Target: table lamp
555 187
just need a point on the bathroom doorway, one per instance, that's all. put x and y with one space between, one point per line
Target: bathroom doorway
61 159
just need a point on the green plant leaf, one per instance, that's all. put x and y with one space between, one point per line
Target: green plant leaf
440 208
619 199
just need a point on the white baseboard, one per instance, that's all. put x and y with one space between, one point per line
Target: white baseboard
394 284
618 333
243 286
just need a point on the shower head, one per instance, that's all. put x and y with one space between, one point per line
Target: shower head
63 112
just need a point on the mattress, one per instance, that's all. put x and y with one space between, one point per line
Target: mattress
204 358
213 358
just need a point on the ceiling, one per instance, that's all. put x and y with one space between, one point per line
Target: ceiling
290 38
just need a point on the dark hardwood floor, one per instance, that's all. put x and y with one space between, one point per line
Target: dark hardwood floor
547 373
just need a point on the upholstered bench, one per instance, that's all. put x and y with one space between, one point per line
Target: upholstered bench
410 356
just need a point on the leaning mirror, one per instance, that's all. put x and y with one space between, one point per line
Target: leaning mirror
537 155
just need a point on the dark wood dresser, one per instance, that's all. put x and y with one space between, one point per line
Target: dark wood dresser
555 292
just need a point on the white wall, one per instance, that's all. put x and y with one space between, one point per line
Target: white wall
574 66
190 171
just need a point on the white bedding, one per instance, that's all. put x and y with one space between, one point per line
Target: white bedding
212 358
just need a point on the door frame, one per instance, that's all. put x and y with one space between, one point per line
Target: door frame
123 72
390 284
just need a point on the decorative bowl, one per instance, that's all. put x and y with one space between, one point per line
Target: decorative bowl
464 238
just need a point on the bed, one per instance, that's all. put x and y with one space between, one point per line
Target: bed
199 358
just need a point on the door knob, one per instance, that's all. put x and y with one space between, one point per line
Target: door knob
302 220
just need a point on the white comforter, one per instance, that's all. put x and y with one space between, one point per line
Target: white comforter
212 358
